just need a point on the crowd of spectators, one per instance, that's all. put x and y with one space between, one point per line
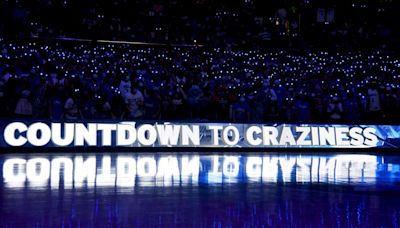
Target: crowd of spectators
349 24
69 81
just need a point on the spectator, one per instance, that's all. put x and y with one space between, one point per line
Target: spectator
24 106
351 109
240 111
55 105
374 102
335 109
302 108
118 110
152 105
134 104
71 108
193 96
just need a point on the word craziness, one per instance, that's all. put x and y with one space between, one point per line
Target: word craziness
132 134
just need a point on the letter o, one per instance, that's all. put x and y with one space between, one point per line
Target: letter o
32 134
152 134
235 134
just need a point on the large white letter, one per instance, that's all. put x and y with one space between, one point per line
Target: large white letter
168 134
68 134
357 139
250 139
230 130
9 134
151 136
287 137
341 137
270 135
214 135
126 134
192 133
32 134
106 130
304 132
370 137
83 134
327 135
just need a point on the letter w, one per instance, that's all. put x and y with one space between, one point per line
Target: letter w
168 134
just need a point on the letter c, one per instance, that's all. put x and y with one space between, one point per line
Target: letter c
250 136
9 134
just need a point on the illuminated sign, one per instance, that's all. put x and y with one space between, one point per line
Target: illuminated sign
132 134
152 170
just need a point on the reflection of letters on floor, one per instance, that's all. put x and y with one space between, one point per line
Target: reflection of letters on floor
128 171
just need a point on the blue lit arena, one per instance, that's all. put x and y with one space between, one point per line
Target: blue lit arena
171 113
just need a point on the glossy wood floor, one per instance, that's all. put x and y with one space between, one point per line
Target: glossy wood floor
196 190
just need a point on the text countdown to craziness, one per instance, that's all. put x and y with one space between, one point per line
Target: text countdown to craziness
132 134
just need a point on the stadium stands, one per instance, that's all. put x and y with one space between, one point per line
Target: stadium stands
64 80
